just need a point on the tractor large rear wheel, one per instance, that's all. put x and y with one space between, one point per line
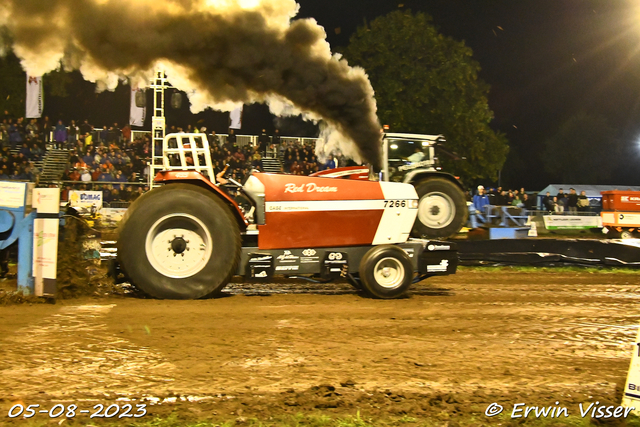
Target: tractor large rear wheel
179 242
442 208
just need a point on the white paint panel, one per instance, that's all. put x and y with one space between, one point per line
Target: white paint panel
344 173
398 190
395 225
325 205
630 219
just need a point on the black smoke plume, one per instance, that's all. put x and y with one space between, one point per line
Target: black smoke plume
228 50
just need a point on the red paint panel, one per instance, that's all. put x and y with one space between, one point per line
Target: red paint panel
318 229
620 200
280 188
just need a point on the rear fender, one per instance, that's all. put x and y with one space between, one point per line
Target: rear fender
348 172
196 178
416 176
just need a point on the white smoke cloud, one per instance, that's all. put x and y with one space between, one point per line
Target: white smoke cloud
332 142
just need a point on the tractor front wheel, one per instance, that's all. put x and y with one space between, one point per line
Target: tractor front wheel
386 271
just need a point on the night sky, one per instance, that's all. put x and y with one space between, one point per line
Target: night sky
545 60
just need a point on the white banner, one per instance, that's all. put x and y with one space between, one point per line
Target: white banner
45 255
12 194
136 114
34 97
85 199
235 118
562 222
46 200
631 396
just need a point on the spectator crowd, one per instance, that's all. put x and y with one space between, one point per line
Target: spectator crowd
110 159
501 197
571 202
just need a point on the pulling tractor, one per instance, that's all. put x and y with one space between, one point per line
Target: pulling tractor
188 237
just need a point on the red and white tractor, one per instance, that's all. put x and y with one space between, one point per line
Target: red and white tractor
188 237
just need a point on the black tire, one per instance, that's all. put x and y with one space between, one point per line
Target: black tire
626 234
442 209
372 267
206 232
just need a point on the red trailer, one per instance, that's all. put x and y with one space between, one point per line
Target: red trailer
621 212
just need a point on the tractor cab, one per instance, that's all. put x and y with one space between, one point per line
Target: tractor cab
405 152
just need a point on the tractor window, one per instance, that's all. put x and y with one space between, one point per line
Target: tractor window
412 151
172 143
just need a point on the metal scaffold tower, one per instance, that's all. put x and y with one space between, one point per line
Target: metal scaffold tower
158 124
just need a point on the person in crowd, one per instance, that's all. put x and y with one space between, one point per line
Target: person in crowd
528 202
72 134
85 176
583 202
31 129
517 202
47 126
560 201
231 138
275 140
4 175
85 128
60 135
480 200
15 138
548 203
572 201
331 163
263 142
74 175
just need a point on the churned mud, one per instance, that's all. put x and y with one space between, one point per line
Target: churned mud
453 347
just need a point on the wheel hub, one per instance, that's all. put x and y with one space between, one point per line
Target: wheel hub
436 210
179 245
389 273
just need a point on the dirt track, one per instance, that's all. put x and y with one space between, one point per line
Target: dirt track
456 345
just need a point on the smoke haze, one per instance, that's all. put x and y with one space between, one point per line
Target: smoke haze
224 52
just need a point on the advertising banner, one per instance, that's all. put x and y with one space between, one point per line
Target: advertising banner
85 199
571 222
12 194
34 97
631 396
45 255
